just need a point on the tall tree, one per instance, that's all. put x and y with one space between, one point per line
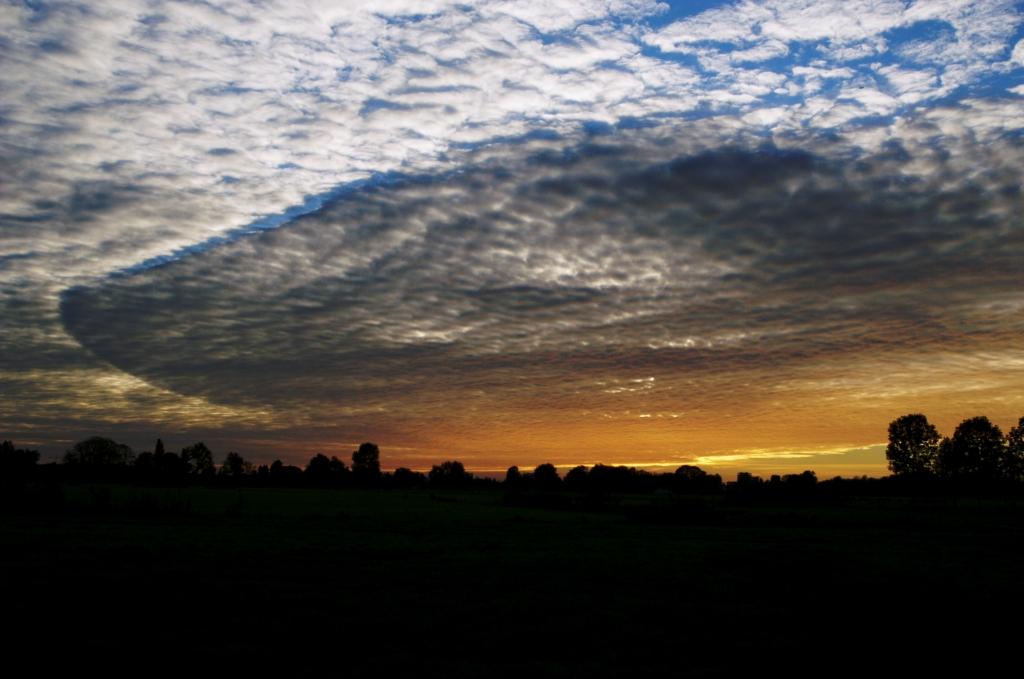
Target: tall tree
318 470
913 446
366 462
198 459
512 477
545 477
976 451
235 465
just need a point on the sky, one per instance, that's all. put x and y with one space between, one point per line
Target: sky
743 235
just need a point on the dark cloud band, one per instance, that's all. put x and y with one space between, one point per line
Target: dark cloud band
534 276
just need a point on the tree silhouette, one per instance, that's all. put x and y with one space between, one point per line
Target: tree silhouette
169 466
512 477
319 466
322 471
545 477
405 478
913 446
159 466
366 462
576 478
337 467
1015 452
604 478
689 478
449 474
16 464
197 459
281 474
97 451
235 465
801 483
976 452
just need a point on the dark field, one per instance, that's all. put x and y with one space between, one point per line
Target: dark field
461 584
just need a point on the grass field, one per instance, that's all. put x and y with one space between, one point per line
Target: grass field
461 584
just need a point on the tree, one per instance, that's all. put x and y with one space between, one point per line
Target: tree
337 467
319 465
366 462
576 478
235 465
169 466
150 467
16 464
804 482
449 474
324 471
512 477
604 478
197 459
913 446
405 478
976 452
692 479
545 477
97 451
281 474
689 473
1015 452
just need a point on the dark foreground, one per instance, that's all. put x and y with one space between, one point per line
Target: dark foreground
462 584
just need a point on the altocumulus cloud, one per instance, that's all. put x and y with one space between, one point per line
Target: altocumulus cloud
589 281
596 211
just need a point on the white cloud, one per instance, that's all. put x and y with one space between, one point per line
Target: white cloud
910 86
767 116
1018 53
852 51
559 16
846 31
762 51
797 20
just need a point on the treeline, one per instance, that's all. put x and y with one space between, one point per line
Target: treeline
99 459
103 459
602 478
976 455
976 458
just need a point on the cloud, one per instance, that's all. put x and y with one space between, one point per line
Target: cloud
548 278
963 38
